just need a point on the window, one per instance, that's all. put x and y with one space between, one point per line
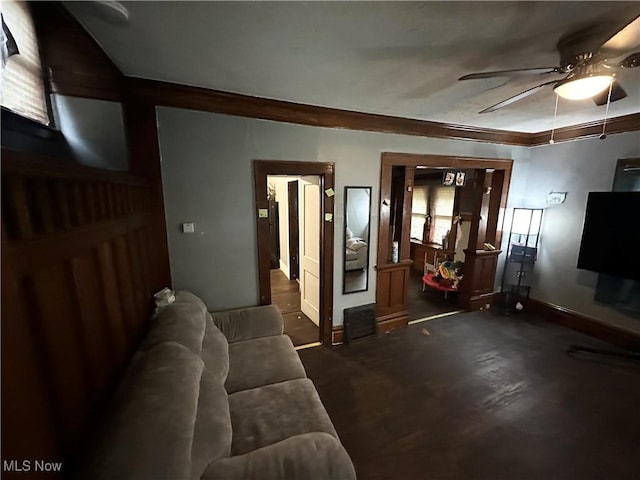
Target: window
419 211
21 83
442 211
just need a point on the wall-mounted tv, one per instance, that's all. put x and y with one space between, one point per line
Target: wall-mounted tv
611 234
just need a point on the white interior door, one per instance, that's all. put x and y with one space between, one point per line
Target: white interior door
310 223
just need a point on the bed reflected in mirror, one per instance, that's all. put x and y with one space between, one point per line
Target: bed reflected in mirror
357 213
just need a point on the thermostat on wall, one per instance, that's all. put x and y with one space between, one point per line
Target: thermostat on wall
188 228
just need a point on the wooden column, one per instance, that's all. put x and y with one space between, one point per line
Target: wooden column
481 263
393 278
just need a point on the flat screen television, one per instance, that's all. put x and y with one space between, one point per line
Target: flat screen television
611 234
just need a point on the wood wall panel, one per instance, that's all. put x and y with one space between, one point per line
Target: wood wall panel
53 317
75 63
79 268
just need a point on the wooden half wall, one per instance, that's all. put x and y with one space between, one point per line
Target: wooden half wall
80 263
83 251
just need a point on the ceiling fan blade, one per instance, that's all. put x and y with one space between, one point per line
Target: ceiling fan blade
512 73
626 39
617 93
517 97
630 61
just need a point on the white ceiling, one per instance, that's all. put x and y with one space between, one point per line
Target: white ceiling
392 58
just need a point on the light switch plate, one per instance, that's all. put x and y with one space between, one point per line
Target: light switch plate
188 228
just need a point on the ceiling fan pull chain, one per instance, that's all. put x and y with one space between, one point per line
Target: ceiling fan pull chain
606 112
555 113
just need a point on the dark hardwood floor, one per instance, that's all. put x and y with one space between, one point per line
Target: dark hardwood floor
481 396
430 302
285 294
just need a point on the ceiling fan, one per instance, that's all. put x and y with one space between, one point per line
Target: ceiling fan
590 72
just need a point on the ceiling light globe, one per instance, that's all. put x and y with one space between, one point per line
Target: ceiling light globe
583 87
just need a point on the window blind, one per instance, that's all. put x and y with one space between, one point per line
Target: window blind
419 210
21 83
442 212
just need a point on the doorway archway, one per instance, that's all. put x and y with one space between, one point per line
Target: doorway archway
326 173
396 193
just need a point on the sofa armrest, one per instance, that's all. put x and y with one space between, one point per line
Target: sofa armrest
248 323
312 456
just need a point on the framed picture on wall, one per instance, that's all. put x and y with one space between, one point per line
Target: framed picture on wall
449 178
460 178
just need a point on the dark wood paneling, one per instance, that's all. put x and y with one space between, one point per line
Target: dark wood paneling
79 268
392 322
392 280
29 426
582 323
144 154
73 63
479 277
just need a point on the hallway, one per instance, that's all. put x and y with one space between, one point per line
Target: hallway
285 294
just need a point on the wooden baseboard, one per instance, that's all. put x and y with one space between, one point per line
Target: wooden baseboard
589 326
383 325
479 302
337 335
392 322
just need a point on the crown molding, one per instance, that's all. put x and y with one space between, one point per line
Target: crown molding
625 123
204 99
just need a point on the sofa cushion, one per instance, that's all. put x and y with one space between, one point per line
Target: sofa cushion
183 323
262 361
186 297
266 415
149 433
247 323
311 456
212 432
215 350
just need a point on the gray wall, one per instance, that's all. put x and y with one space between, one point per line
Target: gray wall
208 179
577 168
93 130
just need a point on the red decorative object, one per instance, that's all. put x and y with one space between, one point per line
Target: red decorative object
443 285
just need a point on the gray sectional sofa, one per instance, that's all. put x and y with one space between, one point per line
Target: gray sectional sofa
216 396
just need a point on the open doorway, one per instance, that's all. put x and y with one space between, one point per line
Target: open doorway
440 227
305 277
294 234
396 254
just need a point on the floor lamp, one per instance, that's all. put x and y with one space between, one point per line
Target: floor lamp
522 252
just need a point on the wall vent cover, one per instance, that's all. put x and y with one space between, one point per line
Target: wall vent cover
359 322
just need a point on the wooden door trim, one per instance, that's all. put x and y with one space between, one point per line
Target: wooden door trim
500 176
391 159
326 171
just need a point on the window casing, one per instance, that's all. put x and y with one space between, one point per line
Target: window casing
21 82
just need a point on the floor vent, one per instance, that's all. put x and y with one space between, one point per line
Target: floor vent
359 322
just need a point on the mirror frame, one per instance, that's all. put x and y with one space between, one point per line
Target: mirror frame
344 242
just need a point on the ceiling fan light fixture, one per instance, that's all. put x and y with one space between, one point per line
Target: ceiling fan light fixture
581 87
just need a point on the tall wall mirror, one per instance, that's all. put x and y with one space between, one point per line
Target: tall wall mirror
357 216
